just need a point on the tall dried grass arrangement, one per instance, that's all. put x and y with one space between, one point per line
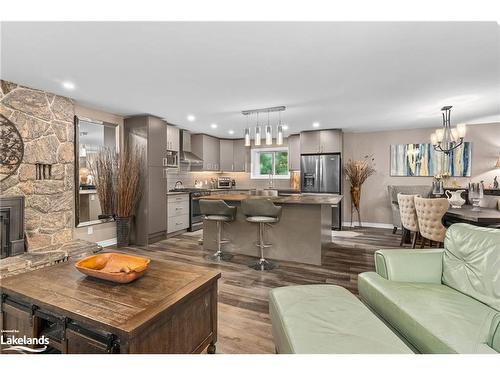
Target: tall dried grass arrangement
357 172
102 166
128 181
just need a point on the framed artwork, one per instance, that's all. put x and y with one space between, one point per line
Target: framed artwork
421 160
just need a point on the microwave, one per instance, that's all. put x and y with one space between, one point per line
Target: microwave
224 183
171 160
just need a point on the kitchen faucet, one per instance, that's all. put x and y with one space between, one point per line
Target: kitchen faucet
271 180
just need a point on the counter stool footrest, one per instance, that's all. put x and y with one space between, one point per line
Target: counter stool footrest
263 265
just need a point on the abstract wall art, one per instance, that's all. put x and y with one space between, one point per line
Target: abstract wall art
421 160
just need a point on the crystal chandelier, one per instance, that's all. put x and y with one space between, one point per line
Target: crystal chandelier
447 139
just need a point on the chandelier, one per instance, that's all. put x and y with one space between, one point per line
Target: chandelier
268 129
446 139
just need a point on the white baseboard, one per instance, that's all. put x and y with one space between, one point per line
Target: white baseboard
368 224
110 242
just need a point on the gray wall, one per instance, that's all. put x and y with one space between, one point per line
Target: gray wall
375 206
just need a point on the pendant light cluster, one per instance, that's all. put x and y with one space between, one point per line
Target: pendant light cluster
268 128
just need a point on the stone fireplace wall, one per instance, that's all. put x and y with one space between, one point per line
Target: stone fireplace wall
45 122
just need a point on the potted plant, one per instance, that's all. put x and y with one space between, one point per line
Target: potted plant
357 171
128 191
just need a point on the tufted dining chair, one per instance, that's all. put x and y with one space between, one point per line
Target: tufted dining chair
408 214
430 213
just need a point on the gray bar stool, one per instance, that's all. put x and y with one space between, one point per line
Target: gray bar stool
220 212
262 212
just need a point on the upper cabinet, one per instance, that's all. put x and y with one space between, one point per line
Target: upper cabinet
240 152
330 141
294 152
156 138
207 148
226 155
309 142
321 141
232 155
173 138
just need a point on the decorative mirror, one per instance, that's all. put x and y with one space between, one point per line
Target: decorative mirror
95 150
11 148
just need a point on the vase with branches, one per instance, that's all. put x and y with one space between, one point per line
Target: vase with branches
102 165
357 172
128 190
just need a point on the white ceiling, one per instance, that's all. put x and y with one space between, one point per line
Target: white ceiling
355 76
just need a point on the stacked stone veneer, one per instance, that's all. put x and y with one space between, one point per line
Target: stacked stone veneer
45 122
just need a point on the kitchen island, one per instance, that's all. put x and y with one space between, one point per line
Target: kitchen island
304 231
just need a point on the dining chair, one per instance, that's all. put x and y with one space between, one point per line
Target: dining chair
430 212
409 220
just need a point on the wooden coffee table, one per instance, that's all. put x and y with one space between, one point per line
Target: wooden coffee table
171 309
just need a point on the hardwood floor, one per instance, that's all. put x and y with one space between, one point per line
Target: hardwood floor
244 325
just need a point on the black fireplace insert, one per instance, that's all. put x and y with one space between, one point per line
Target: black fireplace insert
11 226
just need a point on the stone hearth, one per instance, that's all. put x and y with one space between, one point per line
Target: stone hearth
58 253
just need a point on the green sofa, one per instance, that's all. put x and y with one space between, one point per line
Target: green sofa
441 300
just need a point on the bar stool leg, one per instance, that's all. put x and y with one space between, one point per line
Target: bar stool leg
219 254
263 264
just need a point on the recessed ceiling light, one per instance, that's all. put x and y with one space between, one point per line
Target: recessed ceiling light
231 132
213 126
68 85
285 127
191 118
315 124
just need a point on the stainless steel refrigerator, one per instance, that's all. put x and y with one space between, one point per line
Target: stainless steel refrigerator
321 174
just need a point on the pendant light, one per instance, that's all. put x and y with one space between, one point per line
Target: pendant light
269 134
279 136
257 132
247 135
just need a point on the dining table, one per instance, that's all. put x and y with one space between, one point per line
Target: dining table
486 217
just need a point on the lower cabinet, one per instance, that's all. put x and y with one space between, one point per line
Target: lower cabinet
177 212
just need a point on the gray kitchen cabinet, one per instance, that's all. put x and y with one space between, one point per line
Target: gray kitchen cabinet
149 134
173 138
294 152
309 142
157 207
207 148
239 155
226 155
330 141
321 141
157 140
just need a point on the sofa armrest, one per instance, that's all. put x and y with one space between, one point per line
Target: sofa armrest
422 266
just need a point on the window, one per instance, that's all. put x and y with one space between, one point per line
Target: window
266 161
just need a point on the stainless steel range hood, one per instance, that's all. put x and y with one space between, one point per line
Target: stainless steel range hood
187 157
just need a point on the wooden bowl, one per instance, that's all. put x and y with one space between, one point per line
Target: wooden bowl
119 268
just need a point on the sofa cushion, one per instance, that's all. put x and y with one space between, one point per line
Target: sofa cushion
327 319
471 262
434 318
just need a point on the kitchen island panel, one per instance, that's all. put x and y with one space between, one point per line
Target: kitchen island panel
303 232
